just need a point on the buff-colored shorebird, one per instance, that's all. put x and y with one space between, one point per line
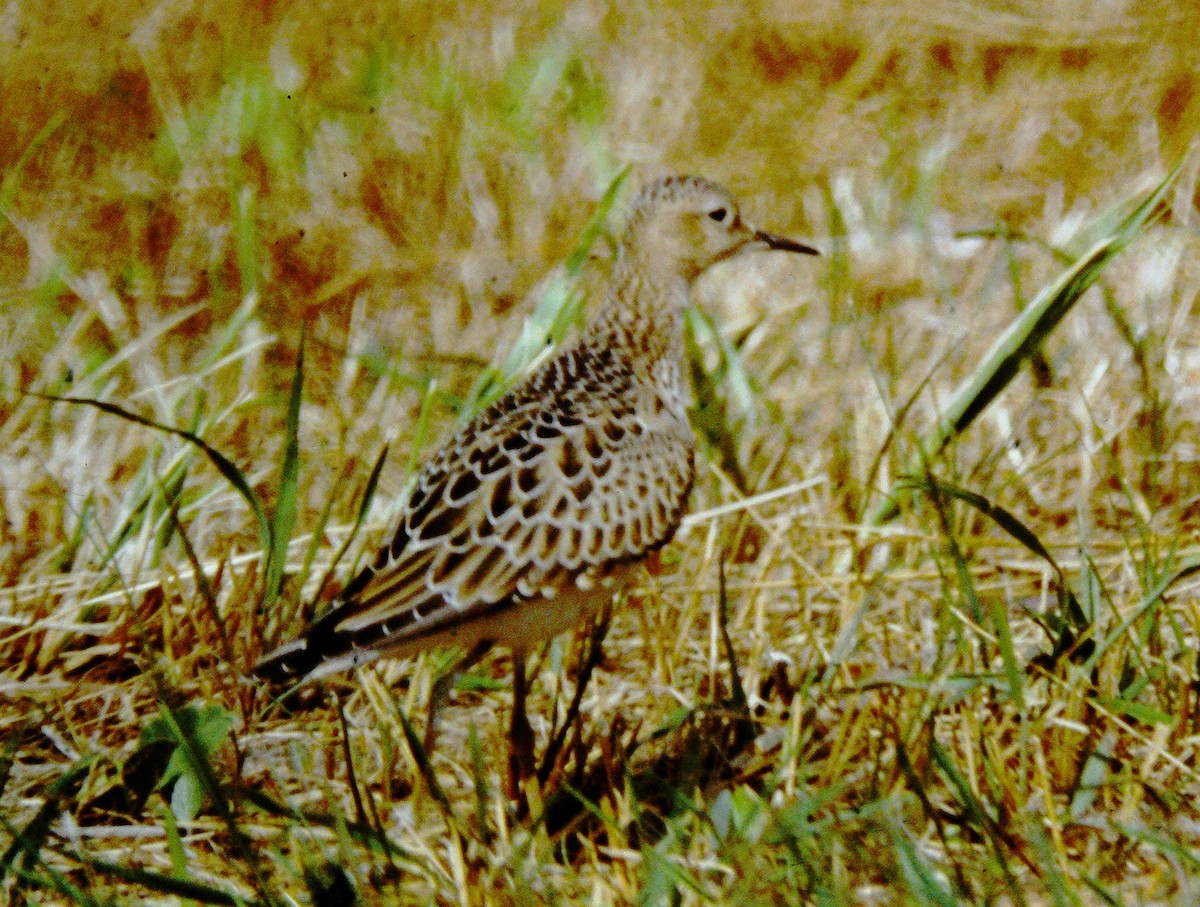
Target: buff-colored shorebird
535 514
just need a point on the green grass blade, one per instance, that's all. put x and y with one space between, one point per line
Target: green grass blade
175 848
246 233
1150 600
162 884
978 816
1029 540
918 875
739 700
483 793
364 834
53 879
289 475
30 839
1187 856
223 464
204 588
421 428
1027 332
6 760
1004 636
317 538
424 766
556 309
363 507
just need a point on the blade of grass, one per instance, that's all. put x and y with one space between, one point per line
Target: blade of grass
351 776
203 586
163 884
1052 875
170 489
318 533
592 661
920 878
54 879
363 507
1150 600
246 233
424 766
1003 518
223 464
66 558
421 428
483 792
364 834
1026 333
1164 845
739 700
916 784
979 817
30 839
553 314
284 519
175 848
7 757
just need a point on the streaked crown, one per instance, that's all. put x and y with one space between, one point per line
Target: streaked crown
686 224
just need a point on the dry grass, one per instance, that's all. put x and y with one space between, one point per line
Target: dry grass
185 187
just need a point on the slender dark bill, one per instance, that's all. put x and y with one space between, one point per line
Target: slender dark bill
783 244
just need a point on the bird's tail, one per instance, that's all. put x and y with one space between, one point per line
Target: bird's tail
307 656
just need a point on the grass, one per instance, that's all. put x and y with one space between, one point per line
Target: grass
929 635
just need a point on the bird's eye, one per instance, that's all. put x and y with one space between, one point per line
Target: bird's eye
718 214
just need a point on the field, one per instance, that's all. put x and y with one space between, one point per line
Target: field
930 634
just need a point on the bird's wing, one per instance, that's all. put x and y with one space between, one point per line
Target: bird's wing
565 474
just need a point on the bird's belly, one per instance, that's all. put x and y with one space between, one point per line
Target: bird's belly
523 624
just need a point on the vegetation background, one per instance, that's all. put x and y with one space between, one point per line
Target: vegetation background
990 697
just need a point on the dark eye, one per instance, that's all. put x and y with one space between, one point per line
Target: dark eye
718 215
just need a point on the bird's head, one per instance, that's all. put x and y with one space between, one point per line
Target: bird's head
688 224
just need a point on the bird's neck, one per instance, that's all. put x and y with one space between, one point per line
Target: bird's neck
643 312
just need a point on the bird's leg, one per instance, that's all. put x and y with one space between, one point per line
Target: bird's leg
595 654
520 735
445 682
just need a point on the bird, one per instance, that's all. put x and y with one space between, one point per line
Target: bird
536 513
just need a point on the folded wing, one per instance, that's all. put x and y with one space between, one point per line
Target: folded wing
570 474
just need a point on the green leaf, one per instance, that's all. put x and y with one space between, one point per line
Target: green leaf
186 798
209 727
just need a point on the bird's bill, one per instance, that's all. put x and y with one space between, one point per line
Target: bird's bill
782 243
